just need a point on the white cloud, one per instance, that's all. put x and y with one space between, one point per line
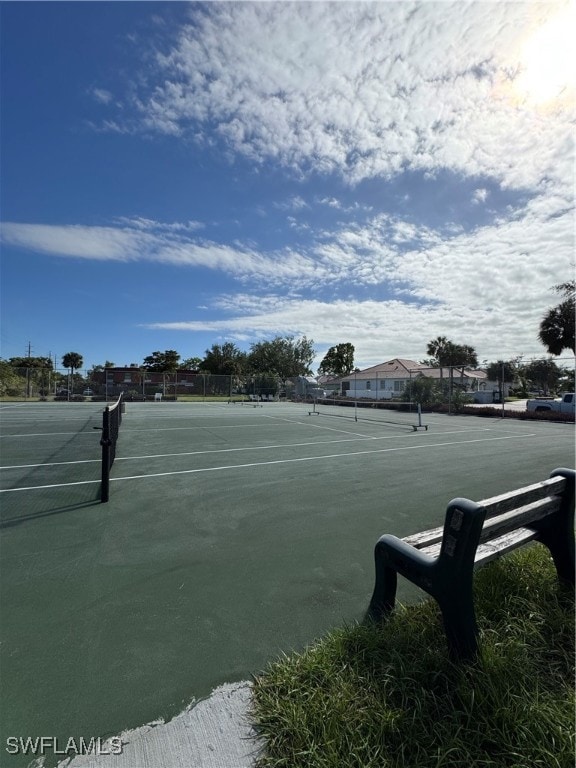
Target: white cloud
377 329
480 196
99 243
102 95
484 286
364 89
294 203
143 240
139 222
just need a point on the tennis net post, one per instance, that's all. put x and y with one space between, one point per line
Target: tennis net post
111 420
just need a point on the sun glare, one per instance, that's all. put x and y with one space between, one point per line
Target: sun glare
547 61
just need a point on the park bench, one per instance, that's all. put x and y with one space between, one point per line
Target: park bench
442 561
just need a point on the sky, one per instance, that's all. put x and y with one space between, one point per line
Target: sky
177 175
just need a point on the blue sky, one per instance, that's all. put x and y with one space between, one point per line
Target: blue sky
176 175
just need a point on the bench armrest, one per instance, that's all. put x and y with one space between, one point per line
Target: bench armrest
392 552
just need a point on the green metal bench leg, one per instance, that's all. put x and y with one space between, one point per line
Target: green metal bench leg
460 626
559 538
384 596
393 556
562 551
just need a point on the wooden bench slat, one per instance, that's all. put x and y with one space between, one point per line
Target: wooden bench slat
430 542
507 503
425 538
529 513
496 505
493 549
502 545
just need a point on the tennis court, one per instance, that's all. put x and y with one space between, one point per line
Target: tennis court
233 532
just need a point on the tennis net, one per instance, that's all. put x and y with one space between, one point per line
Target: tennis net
384 412
111 420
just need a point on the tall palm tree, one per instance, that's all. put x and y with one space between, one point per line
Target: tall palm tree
73 361
557 325
437 349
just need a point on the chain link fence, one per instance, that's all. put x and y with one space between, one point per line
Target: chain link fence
135 384
453 385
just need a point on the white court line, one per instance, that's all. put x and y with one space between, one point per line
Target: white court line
268 463
277 447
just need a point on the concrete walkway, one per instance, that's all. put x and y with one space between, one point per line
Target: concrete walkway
213 734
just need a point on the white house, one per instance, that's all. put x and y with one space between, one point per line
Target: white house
387 380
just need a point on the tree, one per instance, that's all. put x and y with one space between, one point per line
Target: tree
36 370
557 328
191 364
423 390
338 361
283 357
502 371
543 374
447 354
162 362
224 360
10 382
73 361
32 362
436 349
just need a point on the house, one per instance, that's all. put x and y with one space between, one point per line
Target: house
390 379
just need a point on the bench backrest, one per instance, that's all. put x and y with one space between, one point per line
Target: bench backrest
507 512
469 523
506 502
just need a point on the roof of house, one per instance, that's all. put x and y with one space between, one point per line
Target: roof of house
397 368
438 373
401 368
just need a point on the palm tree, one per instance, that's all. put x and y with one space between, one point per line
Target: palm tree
73 361
436 349
557 325
447 354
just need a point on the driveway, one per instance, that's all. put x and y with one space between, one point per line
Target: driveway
517 405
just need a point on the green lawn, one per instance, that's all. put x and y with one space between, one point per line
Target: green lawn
387 696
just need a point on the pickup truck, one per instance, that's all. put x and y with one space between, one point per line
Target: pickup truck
564 405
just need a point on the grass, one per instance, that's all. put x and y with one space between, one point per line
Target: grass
387 696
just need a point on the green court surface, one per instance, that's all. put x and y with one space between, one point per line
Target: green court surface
233 533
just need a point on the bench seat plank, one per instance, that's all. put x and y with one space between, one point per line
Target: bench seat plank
503 544
493 549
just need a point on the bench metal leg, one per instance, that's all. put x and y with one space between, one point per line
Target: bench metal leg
562 551
384 596
393 556
560 538
460 625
